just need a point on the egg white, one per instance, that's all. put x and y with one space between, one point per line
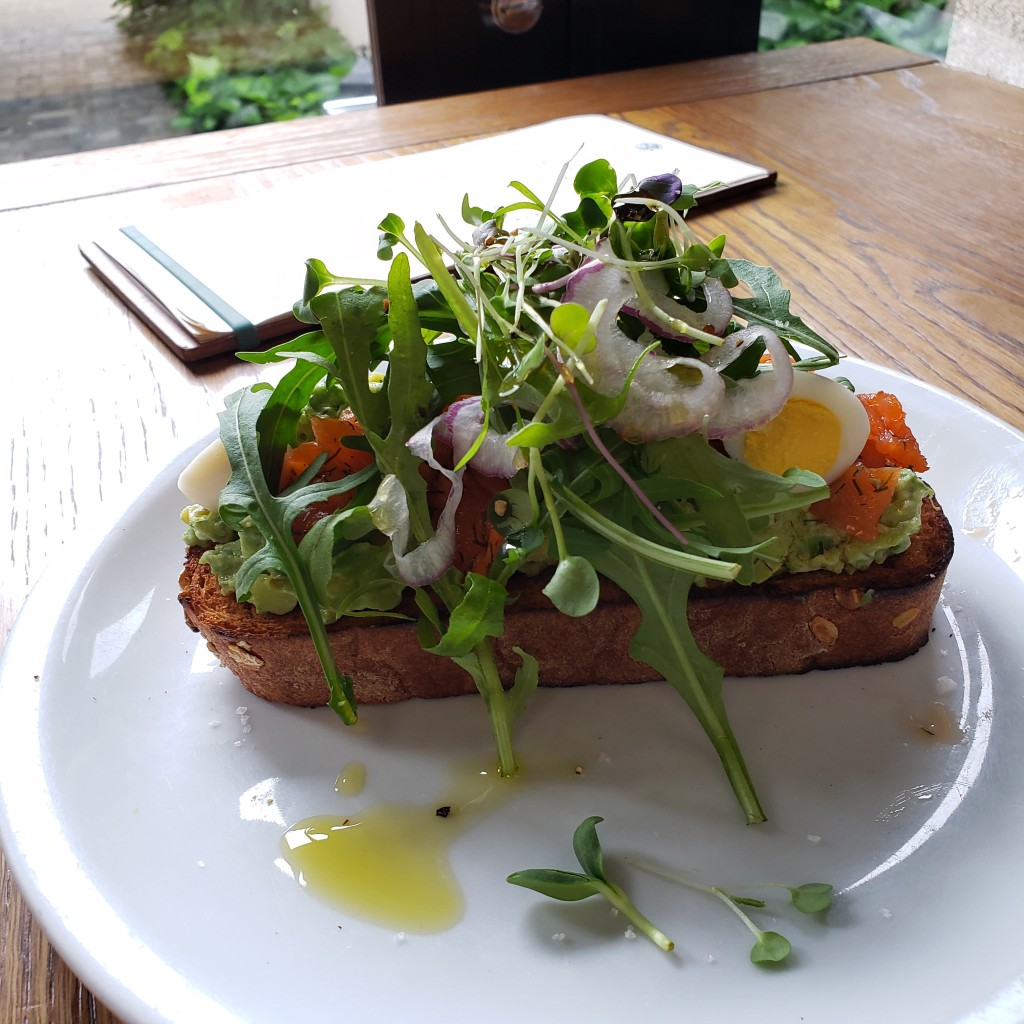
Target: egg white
851 418
206 476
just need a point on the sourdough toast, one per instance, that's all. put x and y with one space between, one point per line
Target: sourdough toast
789 625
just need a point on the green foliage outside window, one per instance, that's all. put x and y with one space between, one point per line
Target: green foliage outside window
230 63
918 25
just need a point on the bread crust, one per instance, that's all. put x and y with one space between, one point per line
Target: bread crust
789 625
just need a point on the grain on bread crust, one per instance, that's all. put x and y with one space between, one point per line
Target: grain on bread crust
788 625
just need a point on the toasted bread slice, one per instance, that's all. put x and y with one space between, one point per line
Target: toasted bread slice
790 624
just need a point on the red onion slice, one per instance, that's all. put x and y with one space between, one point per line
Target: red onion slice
460 426
566 281
755 400
495 457
714 319
660 403
732 347
389 510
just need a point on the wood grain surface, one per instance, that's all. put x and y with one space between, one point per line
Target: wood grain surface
287 144
897 222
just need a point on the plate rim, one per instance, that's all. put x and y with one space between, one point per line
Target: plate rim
48 600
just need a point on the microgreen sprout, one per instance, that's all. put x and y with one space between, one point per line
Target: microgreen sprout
570 886
769 946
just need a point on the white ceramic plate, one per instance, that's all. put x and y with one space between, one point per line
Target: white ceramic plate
142 836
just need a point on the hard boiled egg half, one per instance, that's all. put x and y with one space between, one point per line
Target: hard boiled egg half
821 428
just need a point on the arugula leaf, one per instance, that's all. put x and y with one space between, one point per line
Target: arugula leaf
279 417
688 467
389 417
525 683
480 614
319 279
247 495
452 368
728 497
358 582
435 314
668 558
312 346
769 307
350 320
664 642
408 388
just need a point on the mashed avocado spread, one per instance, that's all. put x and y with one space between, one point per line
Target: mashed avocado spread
360 581
808 544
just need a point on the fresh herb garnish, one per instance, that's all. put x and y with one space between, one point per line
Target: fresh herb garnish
769 946
571 886
508 360
769 306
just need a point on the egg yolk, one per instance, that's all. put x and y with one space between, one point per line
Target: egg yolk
804 434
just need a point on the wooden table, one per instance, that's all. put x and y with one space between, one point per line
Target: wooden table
897 221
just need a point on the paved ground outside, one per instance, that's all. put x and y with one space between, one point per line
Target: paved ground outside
68 82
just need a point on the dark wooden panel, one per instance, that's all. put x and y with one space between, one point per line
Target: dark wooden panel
612 35
445 47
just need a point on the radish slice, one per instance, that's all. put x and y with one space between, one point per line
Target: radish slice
755 400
